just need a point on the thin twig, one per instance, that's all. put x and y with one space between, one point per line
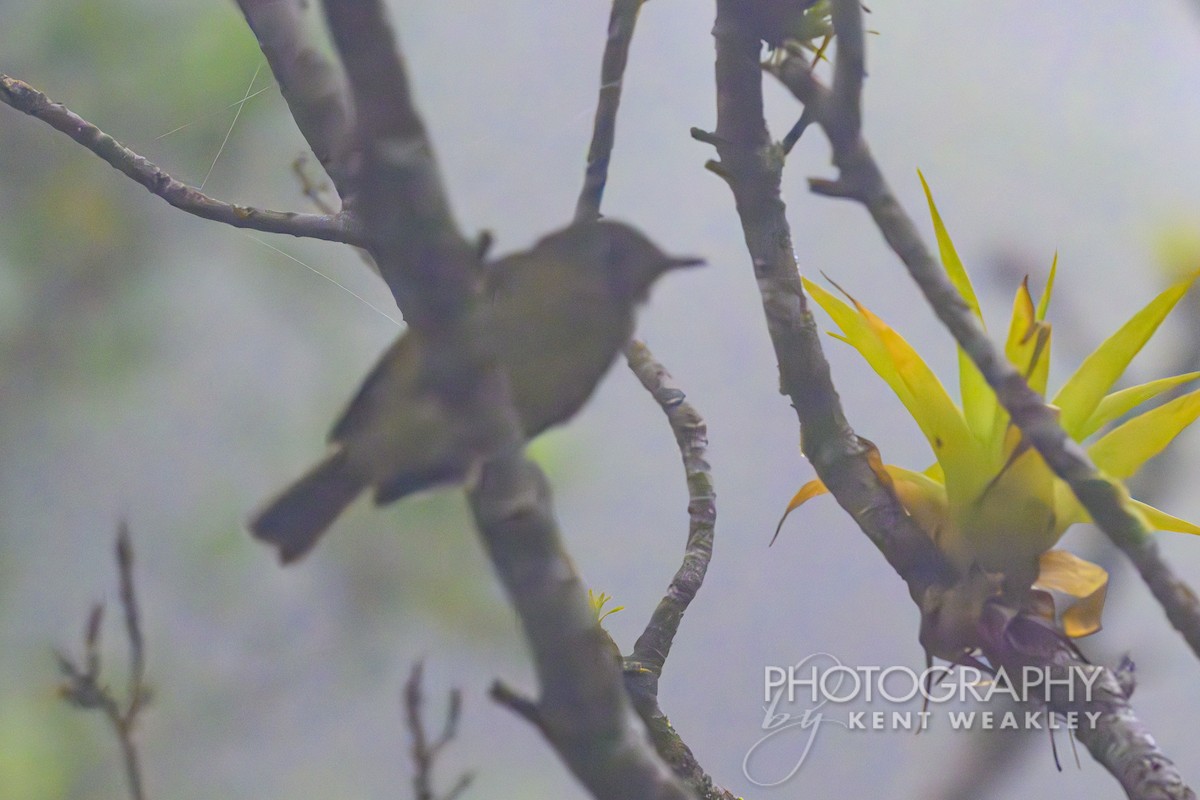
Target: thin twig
523 706
860 178
425 752
24 98
691 434
644 667
133 624
583 709
621 23
85 688
314 190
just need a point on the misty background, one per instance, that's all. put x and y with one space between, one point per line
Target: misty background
174 373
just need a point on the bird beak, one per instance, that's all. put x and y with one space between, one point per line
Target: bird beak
678 263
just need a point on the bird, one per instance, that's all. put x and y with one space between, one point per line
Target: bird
560 313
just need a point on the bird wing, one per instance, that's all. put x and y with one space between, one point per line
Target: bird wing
397 367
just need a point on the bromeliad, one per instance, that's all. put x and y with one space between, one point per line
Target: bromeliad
989 501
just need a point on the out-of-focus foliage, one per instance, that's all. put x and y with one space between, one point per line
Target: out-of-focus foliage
79 252
35 761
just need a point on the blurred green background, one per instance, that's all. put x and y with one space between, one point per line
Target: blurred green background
173 373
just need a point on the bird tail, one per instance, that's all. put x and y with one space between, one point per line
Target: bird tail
295 520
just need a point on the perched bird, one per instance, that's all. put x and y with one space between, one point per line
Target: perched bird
561 312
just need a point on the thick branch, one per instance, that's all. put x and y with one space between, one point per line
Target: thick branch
582 710
431 269
433 272
23 97
752 166
860 179
313 86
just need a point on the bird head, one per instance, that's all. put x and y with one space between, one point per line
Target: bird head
629 261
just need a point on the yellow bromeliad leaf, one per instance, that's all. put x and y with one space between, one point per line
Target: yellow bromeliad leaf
1118 404
808 491
989 500
978 399
926 502
1083 391
1044 303
1067 508
922 497
1028 345
1083 584
1162 521
1069 511
950 260
979 402
1123 450
1028 349
598 601
918 388
857 333
1012 520
935 413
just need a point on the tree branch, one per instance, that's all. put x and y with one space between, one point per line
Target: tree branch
860 178
752 166
644 666
312 85
24 98
1117 739
612 72
1121 743
430 267
582 710
425 751
86 689
434 274
691 434
651 649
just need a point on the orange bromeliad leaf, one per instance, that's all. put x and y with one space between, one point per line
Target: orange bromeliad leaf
1084 583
